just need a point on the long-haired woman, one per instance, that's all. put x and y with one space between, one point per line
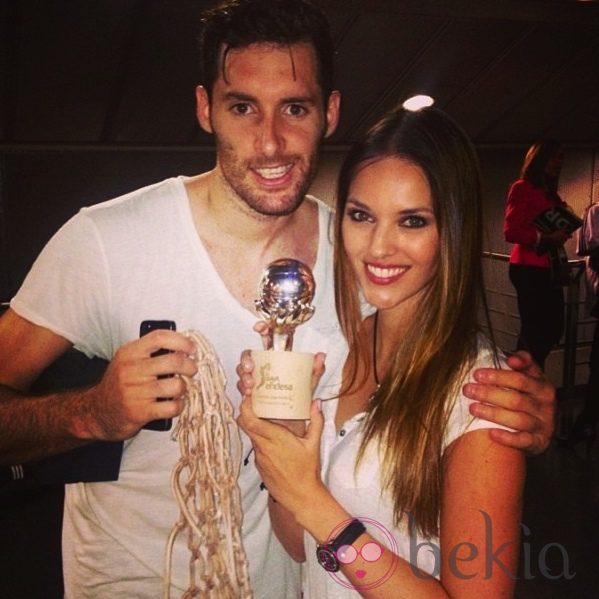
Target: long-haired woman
537 256
411 497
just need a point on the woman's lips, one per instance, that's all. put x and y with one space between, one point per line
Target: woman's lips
384 275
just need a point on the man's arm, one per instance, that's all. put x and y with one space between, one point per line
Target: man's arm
521 398
114 409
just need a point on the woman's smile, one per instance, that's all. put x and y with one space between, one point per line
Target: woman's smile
390 233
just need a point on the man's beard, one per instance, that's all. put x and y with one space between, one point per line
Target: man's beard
237 176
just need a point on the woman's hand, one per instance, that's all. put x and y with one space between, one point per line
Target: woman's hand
555 238
288 464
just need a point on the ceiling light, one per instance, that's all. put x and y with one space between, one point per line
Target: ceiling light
418 102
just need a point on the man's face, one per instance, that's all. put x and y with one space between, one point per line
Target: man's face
268 117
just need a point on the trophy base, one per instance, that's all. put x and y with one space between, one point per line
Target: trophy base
283 384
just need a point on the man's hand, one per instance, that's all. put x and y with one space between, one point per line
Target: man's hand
126 397
521 398
112 410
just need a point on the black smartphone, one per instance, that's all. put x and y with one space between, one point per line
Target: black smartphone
147 326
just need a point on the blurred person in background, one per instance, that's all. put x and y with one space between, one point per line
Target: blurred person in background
537 255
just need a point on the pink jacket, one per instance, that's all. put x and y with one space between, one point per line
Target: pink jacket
524 203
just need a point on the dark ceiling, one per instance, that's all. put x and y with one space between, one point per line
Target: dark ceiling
118 73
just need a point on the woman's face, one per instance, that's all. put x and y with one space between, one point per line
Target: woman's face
390 233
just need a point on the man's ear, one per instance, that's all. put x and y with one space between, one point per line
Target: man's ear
203 109
332 115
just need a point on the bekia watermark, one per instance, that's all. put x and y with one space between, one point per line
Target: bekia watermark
492 555
533 564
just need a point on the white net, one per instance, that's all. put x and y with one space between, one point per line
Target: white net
204 482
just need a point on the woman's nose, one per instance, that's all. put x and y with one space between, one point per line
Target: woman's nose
383 241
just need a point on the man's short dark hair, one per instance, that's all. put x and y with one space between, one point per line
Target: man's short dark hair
239 23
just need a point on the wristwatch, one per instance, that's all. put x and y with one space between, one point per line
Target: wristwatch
326 554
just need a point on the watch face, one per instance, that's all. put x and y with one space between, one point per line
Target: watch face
327 559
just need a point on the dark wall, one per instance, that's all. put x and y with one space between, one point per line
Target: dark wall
41 190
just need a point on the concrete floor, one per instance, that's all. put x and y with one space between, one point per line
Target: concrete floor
560 535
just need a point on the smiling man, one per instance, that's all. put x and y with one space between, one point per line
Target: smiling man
267 113
191 250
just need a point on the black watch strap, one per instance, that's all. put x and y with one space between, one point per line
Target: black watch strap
326 553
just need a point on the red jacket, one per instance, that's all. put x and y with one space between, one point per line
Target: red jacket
524 204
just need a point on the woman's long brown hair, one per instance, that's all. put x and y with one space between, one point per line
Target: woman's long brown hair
408 416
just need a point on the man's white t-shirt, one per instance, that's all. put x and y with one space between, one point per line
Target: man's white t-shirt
113 265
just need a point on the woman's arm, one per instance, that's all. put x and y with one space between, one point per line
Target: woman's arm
287 530
290 469
481 505
480 515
